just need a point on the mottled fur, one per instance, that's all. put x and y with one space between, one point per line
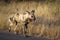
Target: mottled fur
22 18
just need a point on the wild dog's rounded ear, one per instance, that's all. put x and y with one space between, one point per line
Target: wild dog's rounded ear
28 12
33 11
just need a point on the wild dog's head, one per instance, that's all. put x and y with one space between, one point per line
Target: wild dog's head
31 16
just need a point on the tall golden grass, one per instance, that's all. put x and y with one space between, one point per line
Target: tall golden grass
47 14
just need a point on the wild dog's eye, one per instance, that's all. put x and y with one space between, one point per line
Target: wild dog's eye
31 16
17 13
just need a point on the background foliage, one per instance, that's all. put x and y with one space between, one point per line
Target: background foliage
47 14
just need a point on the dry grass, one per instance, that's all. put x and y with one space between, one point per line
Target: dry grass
47 14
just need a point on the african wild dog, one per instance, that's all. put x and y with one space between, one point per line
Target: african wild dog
25 18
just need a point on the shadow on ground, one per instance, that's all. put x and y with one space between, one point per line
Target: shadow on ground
11 36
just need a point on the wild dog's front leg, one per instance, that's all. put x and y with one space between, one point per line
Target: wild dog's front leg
25 30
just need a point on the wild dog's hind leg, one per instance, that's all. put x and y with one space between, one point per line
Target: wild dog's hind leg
15 29
16 23
10 27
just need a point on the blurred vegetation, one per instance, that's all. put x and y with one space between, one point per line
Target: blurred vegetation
47 14
8 1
